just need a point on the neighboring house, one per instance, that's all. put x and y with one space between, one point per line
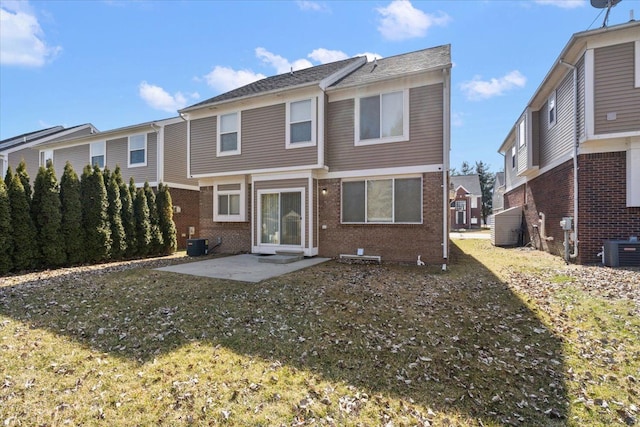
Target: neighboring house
466 202
17 148
497 194
329 159
153 151
575 150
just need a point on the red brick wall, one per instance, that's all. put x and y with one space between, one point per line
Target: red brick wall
398 243
236 236
471 212
602 209
188 200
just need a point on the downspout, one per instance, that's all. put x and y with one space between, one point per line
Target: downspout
576 145
446 144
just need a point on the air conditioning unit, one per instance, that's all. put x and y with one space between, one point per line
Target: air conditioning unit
621 253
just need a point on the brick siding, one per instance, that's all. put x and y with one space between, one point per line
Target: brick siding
397 243
235 236
188 200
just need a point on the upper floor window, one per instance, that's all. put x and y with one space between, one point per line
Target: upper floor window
552 109
138 150
301 123
229 134
393 200
45 156
513 156
522 135
98 154
382 118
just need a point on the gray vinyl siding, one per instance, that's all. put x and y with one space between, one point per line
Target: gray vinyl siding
262 144
76 134
535 137
282 184
118 152
614 89
32 159
175 154
78 156
581 124
510 173
425 133
559 139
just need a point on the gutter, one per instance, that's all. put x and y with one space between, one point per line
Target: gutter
576 145
446 147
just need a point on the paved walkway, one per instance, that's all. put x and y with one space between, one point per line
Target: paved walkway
243 268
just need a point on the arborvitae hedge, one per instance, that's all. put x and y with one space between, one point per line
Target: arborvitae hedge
165 216
21 171
143 226
71 229
154 221
118 238
45 208
22 226
6 238
128 218
95 221
8 177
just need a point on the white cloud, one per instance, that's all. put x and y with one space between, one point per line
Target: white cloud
325 56
21 37
564 4
158 98
477 88
281 64
312 5
400 21
370 56
225 79
456 119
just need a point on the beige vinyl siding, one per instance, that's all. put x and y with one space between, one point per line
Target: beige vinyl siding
282 184
31 157
78 156
118 153
521 153
534 144
425 133
262 144
510 173
581 124
614 89
559 139
175 154
202 145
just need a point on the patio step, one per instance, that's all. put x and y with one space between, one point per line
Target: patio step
283 257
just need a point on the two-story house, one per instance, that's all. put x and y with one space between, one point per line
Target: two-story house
575 150
328 159
466 202
153 152
15 149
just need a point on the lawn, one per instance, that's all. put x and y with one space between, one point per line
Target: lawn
505 337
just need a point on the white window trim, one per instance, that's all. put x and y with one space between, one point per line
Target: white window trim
553 98
92 154
514 157
238 150
388 139
522 133
311 143
242 192
136 165
44 156
637 59
382 178
303 221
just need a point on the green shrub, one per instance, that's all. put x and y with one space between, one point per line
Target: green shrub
95 221
165 216
47 217
24 253
6 239
71 231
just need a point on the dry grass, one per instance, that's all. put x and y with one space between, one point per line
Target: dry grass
334 344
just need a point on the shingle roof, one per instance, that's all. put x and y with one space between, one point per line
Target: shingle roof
29 136
471 183
394 66
281 81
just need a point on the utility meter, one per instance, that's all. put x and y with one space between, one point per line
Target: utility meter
566 223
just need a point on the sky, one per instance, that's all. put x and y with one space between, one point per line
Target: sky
118 63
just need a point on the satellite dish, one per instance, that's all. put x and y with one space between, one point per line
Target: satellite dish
602 4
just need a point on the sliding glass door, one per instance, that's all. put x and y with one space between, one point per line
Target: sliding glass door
281 218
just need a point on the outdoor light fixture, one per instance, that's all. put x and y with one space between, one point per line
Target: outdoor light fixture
324 191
